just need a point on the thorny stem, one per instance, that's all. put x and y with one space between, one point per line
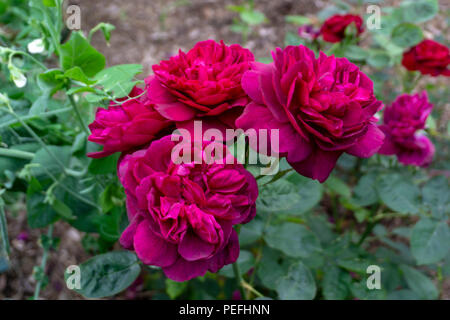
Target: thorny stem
37 289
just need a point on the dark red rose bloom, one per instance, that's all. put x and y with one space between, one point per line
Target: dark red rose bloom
182 215
322 106
204 83
333 29
123 127
429 57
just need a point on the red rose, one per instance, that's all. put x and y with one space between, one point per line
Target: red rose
333 29
429 57
204 83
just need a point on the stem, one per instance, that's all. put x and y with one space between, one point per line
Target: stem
370 224
238 275
39 140
37 289
240 281
334 207
13 153
41 115
68 190
3 226
80 118
367 231
251 289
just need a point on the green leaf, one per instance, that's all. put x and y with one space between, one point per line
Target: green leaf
105 28
245 261
298 284
62 209
336 283
297 20
104 165
174 288
292 239
51 81
403 294
430 241
417 11
39 213
119 79
378 59
399 193
77 52
355 53
436 196
47 162
272 267
293 195
251 232
77 74
419 283
406 35
108 274
338 186
39 105
365 193
360 291
253 17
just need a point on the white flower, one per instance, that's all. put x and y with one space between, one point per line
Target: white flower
36 46
18 77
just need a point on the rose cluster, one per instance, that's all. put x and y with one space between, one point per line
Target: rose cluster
181 215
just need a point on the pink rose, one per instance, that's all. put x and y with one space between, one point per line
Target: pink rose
322 106
402 119
126 126
182 215
204 83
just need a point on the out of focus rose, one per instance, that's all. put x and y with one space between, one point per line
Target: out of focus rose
308 32
202 84
401 121
429 57
182 215
322 107
333 29
123 127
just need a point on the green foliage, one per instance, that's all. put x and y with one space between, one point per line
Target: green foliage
77 52
108 274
